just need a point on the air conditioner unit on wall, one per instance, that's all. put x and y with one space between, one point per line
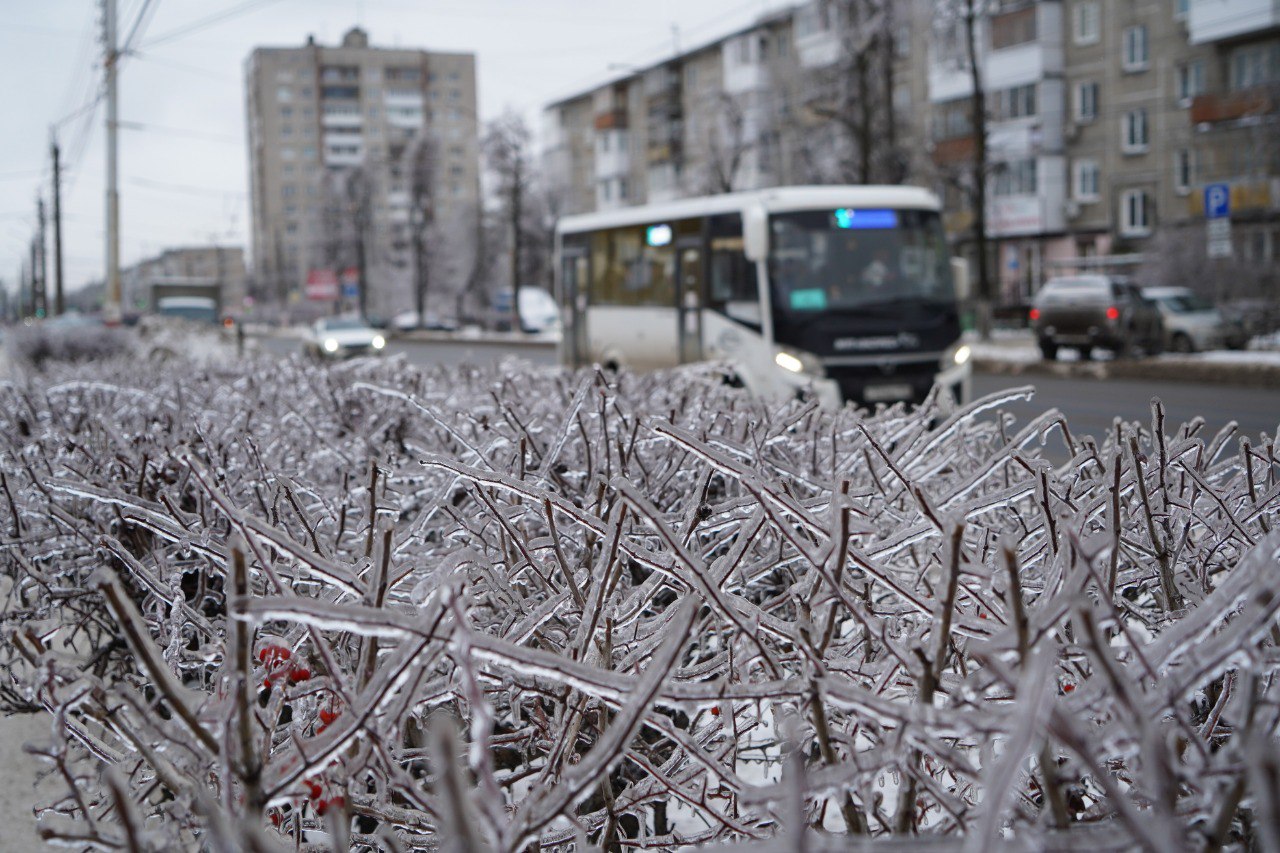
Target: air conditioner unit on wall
1071 132
1071 208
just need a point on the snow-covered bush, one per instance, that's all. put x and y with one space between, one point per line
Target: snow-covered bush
374 607
39 345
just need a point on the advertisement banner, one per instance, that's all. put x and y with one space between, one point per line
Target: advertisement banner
322 285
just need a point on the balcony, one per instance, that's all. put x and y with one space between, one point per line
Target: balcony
1232 106
1216 20
615 119
955 151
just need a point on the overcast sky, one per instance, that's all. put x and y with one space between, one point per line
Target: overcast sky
183 172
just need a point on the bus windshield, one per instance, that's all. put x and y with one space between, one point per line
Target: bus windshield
849 259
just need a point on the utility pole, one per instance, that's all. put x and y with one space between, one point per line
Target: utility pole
33 269
111 310
59 305
42 297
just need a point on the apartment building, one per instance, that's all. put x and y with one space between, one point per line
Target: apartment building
765 105
1231 96
1105 120
350 148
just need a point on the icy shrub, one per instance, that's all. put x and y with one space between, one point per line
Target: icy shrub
39 345
375 608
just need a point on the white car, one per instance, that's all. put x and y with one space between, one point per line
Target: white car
343 337
1191 322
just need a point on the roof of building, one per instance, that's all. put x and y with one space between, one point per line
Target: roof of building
763 20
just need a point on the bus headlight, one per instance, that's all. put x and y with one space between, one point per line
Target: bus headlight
798 362
956 356
379 342
330 344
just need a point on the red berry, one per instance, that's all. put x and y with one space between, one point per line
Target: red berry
328 715
715 710
273 654
313 789
299 673
1068 687
335 802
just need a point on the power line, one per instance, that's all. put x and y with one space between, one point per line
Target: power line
203 23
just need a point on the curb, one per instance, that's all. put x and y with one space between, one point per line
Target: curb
1164 369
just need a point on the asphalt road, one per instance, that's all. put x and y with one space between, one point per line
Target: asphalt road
1090 405
428 353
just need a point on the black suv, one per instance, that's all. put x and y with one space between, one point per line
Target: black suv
1086 311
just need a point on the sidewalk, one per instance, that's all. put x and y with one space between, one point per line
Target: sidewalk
1014 352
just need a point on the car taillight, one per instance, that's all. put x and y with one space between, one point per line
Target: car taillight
1113 313
1035 313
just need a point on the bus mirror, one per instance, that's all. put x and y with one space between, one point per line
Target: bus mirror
960 275
755 233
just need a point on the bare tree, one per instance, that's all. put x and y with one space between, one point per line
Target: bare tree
507 145
970 180
855 95
358 183
422 191
726 142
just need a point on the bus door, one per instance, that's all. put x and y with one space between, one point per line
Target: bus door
689 275
573 290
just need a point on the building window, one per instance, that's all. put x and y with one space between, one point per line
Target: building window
1184 170
1136 53
288 191
1190 81
1085 180
1135 213
285 112
1018 102
1256 65
1010 29
1181 8
1135 139
1086 101
283 94
1016 178
1087 21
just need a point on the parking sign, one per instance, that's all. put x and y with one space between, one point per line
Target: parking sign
1217 201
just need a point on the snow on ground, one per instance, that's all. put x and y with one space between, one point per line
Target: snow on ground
19 791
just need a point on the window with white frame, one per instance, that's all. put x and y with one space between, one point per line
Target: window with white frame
1136 49
1085 176
1086 101
1190 80
1184 170
1087 22
1017 102
1016 178
1255 65
1135 213
1136 136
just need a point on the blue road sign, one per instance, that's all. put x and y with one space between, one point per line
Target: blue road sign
1217 201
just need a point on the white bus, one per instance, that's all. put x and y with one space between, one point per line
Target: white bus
846 292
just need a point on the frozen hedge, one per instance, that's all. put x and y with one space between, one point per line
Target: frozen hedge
277 606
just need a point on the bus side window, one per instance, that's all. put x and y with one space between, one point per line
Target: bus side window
733 289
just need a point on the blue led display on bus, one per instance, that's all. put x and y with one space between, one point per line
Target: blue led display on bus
658 235
850 218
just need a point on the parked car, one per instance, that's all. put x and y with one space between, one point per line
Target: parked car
1191 322
1095 311
343 337
538 310
409 320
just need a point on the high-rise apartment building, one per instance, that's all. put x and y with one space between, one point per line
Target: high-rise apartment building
353 148
1105 121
